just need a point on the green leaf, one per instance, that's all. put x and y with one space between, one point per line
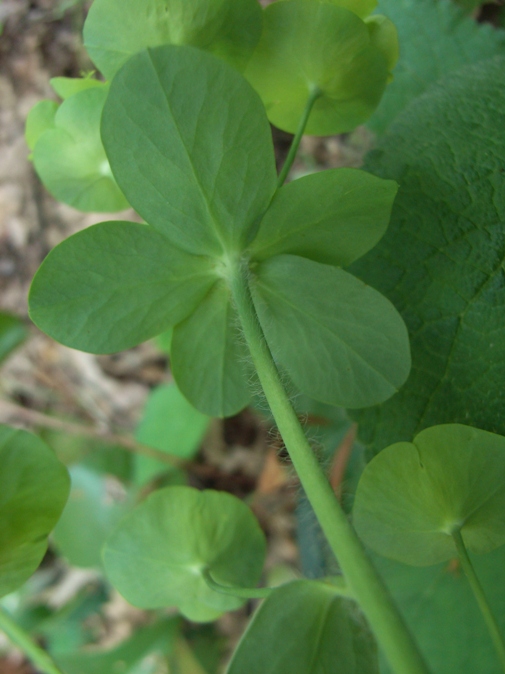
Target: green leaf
68 86
334 217
93 508
208 357
441 260
123 659
114 285
413 496
70 159
171 424
157 555
40 118
436 38
306 44
34 486
305 627
360 7
440 609
12 333
179 112
339 340
115 30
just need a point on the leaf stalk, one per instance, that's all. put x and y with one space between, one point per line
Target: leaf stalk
362 578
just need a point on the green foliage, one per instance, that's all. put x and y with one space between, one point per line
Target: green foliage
115 285
441 260
358 333
34 487
12 333
114 31
171 424
129 282
413 496
40 119
441 611
435 38
158 554
92 510
68 86
334 217
307 45
69 156
304 627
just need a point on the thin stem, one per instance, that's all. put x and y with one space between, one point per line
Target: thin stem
40 658
314 95
482 601
235 590
364 582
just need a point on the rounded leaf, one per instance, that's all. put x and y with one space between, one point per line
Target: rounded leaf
339 340
34 487
115 30
305 627
40 118
412 496
157 555
70 159
317 44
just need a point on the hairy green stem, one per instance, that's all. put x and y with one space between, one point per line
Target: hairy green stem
39 657
235 590
314 95
363 581
482 601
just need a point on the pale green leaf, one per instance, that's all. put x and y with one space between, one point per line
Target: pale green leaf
306 44
40 118
305 628
34 487
114 285
189 143
441 260
208 357
171 424
70 159
334 216
435 38
68 86
115 30
339 340
413 496
95 505
157 555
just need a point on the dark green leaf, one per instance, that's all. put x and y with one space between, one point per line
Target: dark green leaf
441 260
171 424
440 609
70 159
189 143
158 553
34 487
334 217
12 333
115 30
305 628
413 496
115 285
436 38
339 340
95 505
306 44
208 357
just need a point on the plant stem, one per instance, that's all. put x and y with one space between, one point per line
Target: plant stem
42 660
314 95
364 582
235 590
478 592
